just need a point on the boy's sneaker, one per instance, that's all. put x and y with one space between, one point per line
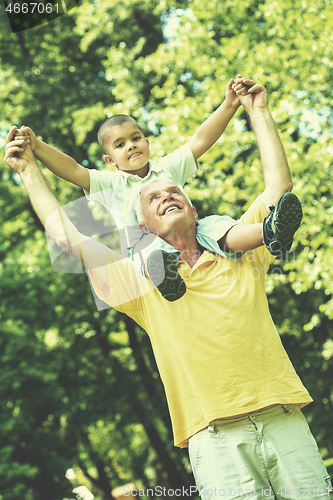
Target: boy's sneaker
281 224
162 270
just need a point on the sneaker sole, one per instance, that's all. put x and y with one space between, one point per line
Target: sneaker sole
162 271
286 220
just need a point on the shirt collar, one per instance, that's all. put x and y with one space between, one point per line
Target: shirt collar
153 167
206 256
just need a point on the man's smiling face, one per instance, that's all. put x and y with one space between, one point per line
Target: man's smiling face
165 208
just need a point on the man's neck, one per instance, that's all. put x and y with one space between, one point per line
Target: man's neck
191 256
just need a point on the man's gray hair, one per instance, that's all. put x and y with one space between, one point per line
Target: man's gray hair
138 200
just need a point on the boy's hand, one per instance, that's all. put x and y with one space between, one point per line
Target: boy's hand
255 97
18 155
231 96
28 135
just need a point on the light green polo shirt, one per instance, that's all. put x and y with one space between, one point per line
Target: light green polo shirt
117 190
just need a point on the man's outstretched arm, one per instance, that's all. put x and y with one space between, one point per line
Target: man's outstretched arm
53 217
57 162
276 171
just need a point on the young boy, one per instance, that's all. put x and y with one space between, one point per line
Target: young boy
126 148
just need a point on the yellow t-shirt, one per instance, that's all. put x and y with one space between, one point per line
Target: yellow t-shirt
217 349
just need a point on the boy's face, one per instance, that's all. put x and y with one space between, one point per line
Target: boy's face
127 149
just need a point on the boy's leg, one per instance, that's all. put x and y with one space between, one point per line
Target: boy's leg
276 232
156 259
212 232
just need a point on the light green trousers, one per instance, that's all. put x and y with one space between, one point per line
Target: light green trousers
269 455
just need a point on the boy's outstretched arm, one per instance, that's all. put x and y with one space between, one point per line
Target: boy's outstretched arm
59 163
88 251
212 129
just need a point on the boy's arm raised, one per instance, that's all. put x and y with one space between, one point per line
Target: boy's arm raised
212 129
59 163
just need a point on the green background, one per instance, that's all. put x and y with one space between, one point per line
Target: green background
79 388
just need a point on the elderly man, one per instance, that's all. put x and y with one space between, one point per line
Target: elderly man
233 394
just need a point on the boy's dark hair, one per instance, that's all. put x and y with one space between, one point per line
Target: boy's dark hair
113 121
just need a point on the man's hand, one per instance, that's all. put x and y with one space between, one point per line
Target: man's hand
231 96
28 135
18 154
255 97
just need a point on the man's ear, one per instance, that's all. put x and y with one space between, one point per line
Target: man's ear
144 228
109 160
196 216
147 230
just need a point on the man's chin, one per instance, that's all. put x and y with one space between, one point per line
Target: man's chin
174 218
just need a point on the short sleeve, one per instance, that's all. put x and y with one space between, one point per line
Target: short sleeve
180 164
100 181
253 215
122 287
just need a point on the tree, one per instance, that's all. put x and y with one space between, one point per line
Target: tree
79 387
